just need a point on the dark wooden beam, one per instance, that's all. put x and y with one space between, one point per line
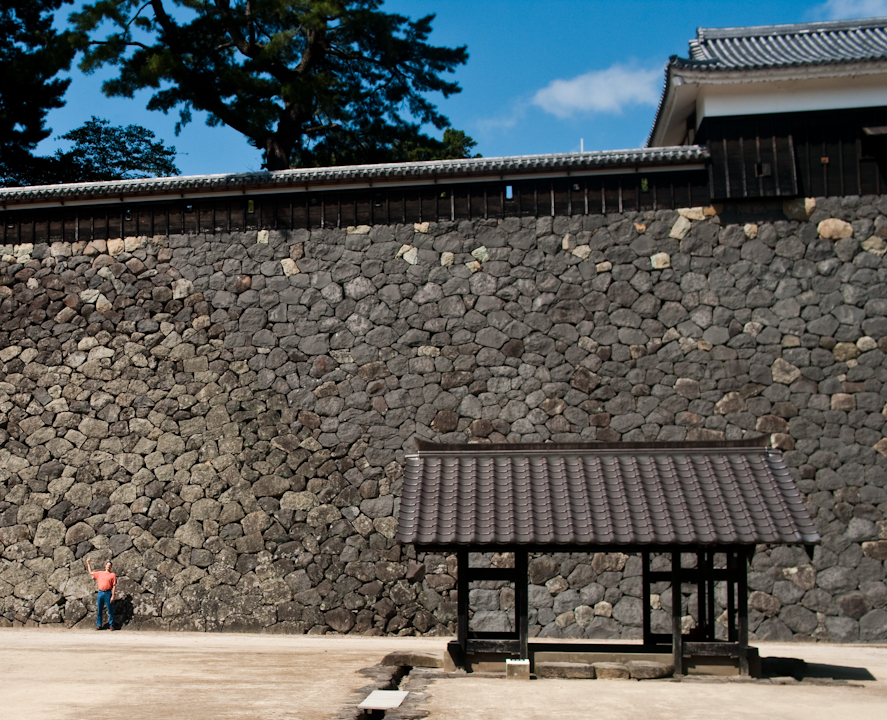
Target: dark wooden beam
522 602
462 600
676 630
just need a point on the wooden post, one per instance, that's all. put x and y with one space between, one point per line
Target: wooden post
522 602
710 566
462 600
645 597
701 587
742 581
731 596
677 640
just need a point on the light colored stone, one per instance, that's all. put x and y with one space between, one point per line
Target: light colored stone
750 230
680 228
881 446
693 213
588 344
568 243
428 351
584 614
358 230
843 402
89 296
845 351
422 227
784 372
115 247
565 619
603 609
782 441
481 254
875 245
289 267
133 243
582 251
182 288
102 304
447 258
474 266
262 237
604 266
411 255
23 251
655 601
732 402
866 343
387 526
660 261
834 229
752 328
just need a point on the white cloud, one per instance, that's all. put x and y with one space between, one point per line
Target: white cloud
850 9
608 90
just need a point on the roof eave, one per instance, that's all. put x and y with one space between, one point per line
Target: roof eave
712 74
358 177
683 80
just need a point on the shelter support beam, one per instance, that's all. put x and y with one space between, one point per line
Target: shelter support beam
676 629
462 600
522 602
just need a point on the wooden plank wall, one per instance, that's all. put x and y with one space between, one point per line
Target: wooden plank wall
331 208
811 154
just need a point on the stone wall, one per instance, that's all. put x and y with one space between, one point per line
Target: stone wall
226 415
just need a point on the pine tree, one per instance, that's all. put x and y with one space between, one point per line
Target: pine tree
32 54
308 82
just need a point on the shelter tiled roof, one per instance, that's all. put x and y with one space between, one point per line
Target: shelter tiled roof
600 495
775 46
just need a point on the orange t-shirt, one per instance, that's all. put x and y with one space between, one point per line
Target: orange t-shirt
105 580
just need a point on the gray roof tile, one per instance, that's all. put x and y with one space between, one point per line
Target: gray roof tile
601 495
774 46
353 175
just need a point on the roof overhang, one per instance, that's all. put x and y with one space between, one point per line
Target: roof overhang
700 91
357 177
600 496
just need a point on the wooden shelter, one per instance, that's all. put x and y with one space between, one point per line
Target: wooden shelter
706 500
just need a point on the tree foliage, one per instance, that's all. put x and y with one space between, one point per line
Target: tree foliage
308 82
108 152
32 54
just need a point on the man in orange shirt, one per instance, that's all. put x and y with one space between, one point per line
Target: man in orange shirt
107 585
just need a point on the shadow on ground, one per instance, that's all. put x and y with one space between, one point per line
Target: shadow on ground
772 667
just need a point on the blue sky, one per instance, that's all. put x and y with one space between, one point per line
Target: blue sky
542 75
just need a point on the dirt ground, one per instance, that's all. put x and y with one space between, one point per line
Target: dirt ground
83 674
863 697
67 674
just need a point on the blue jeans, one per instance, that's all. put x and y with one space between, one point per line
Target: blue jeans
104 598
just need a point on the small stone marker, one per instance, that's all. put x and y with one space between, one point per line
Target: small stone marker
517 669
384 699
